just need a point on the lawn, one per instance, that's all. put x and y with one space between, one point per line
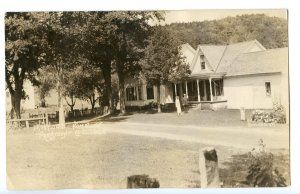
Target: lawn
209 118
96 160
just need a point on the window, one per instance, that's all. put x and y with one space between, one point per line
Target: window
139 89
202 65
202 62
217 87
268 88
134 93
150 93
131 94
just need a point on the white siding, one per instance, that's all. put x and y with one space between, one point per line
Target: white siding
197 68
166 95
254 48
249 91
28 103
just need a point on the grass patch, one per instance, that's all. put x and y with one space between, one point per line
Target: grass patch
235 171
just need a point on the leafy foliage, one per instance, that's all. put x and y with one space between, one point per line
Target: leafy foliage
270 31
46 82
21 55
277 115
261 172
163 62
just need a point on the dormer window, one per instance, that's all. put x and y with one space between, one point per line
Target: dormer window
202 65
202 62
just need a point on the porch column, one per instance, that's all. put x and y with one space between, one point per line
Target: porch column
198 90
186 89
175 90
210 88
205 93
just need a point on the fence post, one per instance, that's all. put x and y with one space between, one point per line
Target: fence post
27 123
47 118
208 167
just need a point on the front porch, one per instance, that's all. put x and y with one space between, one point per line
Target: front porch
205 92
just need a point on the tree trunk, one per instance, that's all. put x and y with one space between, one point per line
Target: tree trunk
16 105
106 70
122 92
158 98
180 93
60 100
93 108
93 103
71 105
72 110
43 102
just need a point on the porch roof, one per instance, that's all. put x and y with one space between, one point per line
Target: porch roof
206 75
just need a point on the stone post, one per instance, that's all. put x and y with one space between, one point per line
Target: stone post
208 167
243 114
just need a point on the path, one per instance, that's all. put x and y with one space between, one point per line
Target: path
240 137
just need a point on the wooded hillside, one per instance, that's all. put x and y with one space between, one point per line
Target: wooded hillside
271 32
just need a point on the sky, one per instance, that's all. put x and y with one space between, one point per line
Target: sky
201 15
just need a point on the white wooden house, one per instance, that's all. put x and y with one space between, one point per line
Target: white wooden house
224 76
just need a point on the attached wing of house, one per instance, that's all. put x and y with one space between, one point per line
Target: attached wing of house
244 74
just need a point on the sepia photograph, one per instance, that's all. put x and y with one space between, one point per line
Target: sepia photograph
147 99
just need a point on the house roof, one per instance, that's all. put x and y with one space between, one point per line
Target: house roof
213 54
232 52
188 46
268 61
242 58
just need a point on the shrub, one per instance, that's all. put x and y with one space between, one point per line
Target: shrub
261 172
276 115
279 113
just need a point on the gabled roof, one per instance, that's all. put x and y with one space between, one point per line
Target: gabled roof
232 52
213 54
196 57
242 58
268 61
188 46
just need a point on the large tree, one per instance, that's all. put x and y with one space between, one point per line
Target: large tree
88 84
99 51
61 32
128 31
163 61
21 55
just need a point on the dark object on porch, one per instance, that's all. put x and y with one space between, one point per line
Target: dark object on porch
152 108
141 181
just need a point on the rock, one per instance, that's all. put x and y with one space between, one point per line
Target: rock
208 167
141 181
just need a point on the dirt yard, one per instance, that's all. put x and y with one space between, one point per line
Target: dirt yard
101 160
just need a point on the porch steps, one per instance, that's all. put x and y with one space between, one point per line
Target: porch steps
194 106
206 106
199 106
